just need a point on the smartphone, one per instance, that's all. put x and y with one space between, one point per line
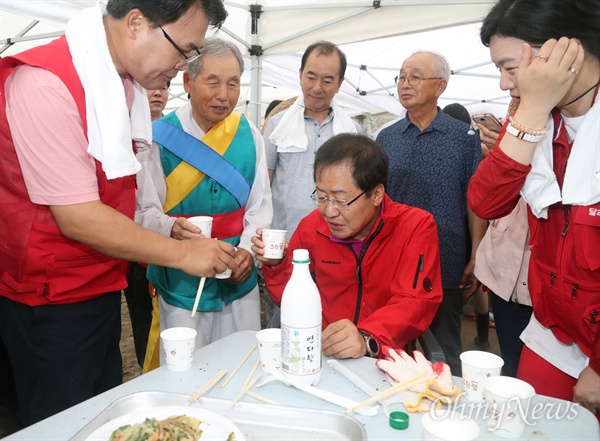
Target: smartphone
489 121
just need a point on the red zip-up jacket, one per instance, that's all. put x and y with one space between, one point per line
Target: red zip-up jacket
38 264
392 290
564 270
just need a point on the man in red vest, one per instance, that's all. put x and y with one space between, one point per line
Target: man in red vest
72 115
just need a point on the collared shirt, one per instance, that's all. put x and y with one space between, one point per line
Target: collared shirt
431 169
357 244
151 192
293 177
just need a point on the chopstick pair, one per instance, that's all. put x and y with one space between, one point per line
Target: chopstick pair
207 386
248 383
407 384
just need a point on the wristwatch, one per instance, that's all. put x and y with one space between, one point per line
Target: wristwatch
371 344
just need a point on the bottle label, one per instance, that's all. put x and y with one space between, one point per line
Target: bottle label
301 350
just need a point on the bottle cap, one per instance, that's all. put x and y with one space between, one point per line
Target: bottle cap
399 420
301 256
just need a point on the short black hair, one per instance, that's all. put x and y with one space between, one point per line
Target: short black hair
162 12
458 111
325 48
271 106
367 159
536 21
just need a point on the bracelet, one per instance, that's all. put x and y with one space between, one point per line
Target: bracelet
527 130
522 135
525 133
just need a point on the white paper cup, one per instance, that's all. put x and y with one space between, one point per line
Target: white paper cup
448 425
178 345
269 348
507 402
204 223
224 275
477 366
274 241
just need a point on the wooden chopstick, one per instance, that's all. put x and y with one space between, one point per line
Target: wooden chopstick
207 386
247 381
261 398
245 389
254 367
417 379
239 366
198 295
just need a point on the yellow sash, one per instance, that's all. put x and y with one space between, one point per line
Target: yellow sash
185 177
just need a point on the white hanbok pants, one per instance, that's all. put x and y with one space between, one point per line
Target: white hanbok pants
241 315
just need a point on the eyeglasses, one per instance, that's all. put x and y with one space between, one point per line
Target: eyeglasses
413 80
186 60
339 204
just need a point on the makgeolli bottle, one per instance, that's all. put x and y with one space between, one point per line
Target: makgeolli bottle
301 324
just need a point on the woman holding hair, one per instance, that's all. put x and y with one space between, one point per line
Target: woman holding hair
548 54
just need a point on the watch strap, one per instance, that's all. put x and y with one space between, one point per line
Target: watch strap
519 134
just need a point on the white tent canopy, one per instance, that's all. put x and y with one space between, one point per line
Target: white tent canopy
376 37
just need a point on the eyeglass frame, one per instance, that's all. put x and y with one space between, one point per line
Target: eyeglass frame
186 60
345 204
406 78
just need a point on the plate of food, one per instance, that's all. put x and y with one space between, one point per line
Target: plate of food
169 423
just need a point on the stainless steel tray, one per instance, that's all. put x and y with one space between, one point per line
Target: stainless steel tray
256 421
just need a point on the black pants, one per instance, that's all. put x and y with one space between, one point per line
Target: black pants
139 304
61 355
446 328
8 392
511 319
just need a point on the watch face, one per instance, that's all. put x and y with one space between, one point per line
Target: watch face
373 346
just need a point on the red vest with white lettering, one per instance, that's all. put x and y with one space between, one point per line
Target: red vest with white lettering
38 264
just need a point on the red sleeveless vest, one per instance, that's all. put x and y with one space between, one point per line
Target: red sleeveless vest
38 264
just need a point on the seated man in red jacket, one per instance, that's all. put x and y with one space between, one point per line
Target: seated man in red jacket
376 262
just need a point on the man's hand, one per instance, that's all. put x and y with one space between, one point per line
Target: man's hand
343 340
206 257
245 263
114 234
184 229
258 248
587 390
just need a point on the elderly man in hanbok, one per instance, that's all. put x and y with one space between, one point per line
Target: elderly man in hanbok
207 160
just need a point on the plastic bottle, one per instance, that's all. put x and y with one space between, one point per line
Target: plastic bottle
301 324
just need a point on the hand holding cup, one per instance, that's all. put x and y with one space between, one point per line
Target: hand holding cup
268 244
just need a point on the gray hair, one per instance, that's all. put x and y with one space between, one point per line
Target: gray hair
441 67
215 47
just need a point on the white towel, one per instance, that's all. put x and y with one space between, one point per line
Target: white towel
289 135
581 185
111 127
